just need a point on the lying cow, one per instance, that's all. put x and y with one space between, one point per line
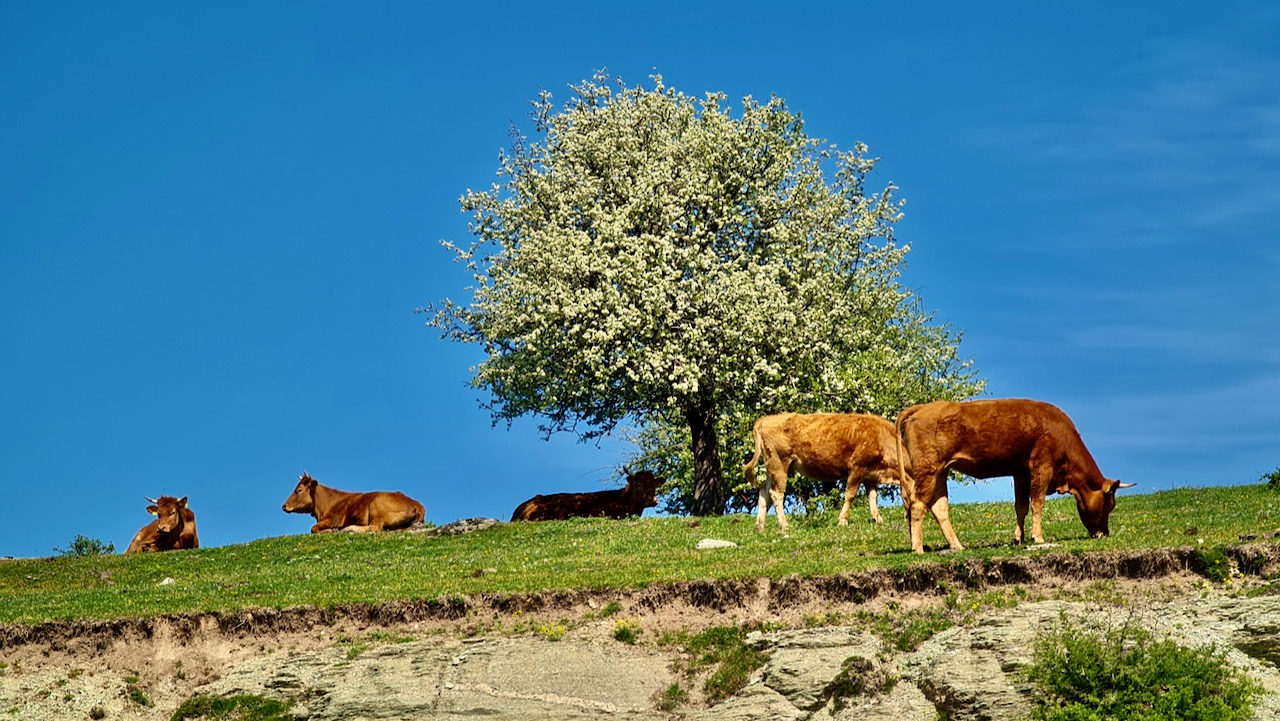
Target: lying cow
849 447
1033 441
336 510
174 528
641 492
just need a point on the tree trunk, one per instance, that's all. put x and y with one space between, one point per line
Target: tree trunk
708 488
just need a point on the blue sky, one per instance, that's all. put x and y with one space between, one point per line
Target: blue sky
216 221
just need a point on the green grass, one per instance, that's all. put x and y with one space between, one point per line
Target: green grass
330 569
235 708
724 650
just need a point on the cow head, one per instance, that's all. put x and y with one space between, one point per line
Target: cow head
303 498
168 512
643 485
1095 506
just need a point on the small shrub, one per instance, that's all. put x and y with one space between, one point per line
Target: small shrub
724 647
137 695
626 630
83 546
1272 479
857 677
1213 563
613 608
97 713
551 632
671 697
1125 673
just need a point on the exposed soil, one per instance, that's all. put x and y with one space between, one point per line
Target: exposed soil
169 657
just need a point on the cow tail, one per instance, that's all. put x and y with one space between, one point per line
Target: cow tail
749 470
903 480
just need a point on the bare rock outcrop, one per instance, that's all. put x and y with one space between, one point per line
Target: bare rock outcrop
967 673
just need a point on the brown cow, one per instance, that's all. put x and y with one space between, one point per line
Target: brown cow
336 510
641 492
850 447
1033 441
174 528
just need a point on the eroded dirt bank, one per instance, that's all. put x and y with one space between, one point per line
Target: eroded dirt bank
82 669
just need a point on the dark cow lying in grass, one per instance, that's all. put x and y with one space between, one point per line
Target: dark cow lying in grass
1033 441
851 447
174 528
641 492
336 510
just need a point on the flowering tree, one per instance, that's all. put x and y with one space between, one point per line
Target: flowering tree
650 259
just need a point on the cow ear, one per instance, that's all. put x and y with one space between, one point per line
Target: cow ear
183 502
153 510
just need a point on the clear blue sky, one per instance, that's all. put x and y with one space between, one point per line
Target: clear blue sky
216 220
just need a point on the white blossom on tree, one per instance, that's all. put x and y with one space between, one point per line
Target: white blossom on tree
651 258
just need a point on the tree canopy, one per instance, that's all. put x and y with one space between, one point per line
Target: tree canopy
651 259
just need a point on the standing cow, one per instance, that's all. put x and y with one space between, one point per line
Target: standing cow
174 528
1033 441
849 447
336 510
630 500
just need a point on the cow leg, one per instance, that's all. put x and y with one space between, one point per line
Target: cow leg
762 509
1039 487
873 500
941 510
777 495
778 472
850 490
771 494
1021 502
915 513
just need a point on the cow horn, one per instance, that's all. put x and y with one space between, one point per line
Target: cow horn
1125 485
151 500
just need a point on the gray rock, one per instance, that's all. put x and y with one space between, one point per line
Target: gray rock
803 663
756 702
461 526
708 543
503 677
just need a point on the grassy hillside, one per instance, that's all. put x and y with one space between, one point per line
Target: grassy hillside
346 568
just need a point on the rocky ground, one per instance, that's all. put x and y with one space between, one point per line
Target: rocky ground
556 655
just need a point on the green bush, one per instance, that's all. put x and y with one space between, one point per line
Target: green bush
1272 479
237 708
725 648
1213 563
84 546
670 698
626 630
1125 673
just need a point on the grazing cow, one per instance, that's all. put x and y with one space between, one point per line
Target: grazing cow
1033 441
174 528
641 492
849 447
336 510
